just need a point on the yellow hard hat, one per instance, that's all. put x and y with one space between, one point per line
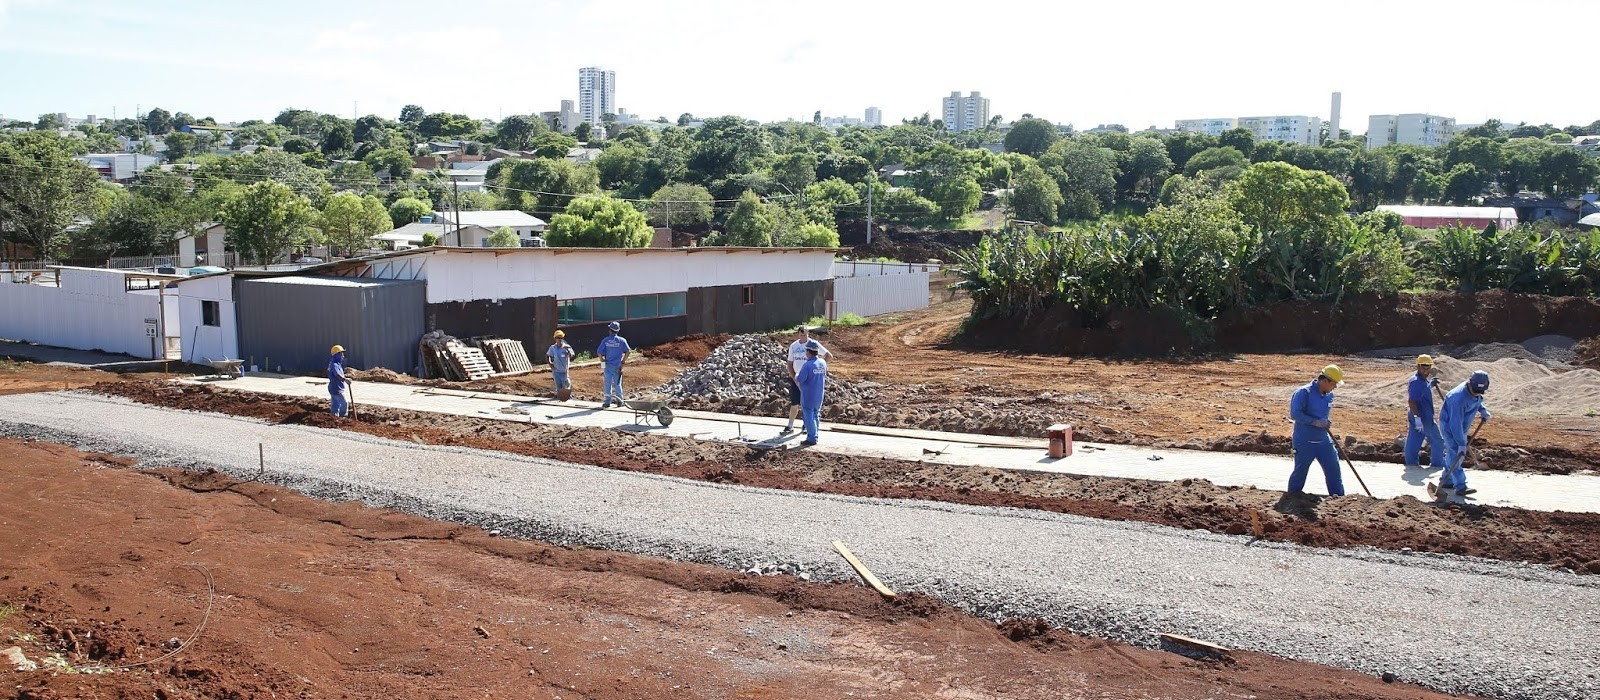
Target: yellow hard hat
336 350
1333 372
1425 360
561 334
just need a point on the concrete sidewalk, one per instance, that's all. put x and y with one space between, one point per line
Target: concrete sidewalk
1575 493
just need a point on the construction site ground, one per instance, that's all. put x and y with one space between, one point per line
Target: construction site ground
1229 404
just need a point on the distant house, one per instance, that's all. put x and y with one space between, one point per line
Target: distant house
527 227
581 155
1438 217
1532 207
118 167
410 235
204 248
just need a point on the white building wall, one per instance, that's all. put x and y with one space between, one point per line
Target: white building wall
576 274
199 340
90 310
870 295
1210 127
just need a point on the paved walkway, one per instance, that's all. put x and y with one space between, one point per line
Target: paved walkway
1576 493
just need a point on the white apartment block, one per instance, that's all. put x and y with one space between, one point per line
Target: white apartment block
1209 127
1409 129
597 96
1282 128
874 117
966 113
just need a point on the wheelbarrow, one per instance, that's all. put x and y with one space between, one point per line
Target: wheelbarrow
645 409
230 368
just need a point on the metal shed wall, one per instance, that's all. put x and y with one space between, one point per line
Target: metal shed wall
294 320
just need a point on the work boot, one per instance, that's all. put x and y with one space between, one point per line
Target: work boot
1467 491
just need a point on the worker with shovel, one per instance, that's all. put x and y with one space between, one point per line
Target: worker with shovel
560 357
1420 417
337 380
1309 408
1455 416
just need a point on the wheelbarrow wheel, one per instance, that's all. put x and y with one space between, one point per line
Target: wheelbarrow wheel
664 416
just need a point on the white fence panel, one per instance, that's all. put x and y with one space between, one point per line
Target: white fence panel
880 294
849 268
93 314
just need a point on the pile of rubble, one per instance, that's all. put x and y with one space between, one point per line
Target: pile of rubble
746 375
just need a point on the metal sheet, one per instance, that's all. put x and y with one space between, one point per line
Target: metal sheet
290 322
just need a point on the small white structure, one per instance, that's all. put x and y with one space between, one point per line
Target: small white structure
210 326
872 288
118 167
526 226
205 248
120 311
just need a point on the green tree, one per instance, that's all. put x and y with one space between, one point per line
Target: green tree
906 206
298 145
446 125
1481 153
599 221
49 122
1031 137
542 186
796 171
1295 214
179 146
1086 174
412 115
583 132
503 237
391 160
825 201
750 223
1143 167
1036 196
516 132
1369 173
42 191
1215 158
349 221
1239 139
259 135
407 210
682 204
550 144
956 197
725 147
248 169
266 220
132 225
158 121
338 139
430 239
1463 183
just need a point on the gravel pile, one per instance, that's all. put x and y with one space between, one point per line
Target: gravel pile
1453 624
749 367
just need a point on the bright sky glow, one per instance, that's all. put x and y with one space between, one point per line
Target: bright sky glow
1138 62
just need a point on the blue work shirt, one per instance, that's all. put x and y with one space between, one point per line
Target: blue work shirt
560 355
1456 413
812 378
1421 391
336 374
613 349
1310 404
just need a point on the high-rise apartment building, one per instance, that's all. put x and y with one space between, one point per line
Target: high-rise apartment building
874 117
597 96
965 113
1287 129
1410 129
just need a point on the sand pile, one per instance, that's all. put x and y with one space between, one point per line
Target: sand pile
1519 387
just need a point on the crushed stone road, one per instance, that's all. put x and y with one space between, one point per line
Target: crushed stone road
1457 625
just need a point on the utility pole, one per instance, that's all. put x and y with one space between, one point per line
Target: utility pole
455 184
872 181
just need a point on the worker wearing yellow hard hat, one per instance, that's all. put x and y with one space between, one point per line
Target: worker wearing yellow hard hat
337 381
560 358
1310 408
1421 422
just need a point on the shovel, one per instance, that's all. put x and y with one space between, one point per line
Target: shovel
1350 464
351 387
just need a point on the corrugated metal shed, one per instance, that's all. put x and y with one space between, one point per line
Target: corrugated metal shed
291 322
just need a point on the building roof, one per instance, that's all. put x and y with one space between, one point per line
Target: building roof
1446 212
412 233
354 282
492 219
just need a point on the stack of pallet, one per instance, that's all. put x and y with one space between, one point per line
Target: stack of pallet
445 357
507 356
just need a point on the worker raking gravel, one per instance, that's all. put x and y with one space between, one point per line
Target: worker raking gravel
1455 416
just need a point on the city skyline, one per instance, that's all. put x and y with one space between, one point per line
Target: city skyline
93 57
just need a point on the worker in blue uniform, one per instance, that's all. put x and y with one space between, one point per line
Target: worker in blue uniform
1420 422
337 379
1309 408
613 352
1455 416
812 378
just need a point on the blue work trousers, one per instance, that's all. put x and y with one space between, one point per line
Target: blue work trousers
812 418
1414 438
1455 473
613 383
340 406
1326 455
562 380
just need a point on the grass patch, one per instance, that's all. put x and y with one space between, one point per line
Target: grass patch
843 321
6 611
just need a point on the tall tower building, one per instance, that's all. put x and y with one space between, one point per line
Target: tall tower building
965 113
874 117
597 96
1333 119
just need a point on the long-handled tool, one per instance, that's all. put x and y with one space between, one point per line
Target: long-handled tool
351 387
1350 464
1465 450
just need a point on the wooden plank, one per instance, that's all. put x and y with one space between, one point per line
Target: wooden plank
1193 643
862 571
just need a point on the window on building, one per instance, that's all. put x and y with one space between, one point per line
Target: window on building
637 306
211 313
748 295
571 311
673 304
610 308
644 306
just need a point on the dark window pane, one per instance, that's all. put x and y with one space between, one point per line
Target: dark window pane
672 304
610 309
643 306
576 311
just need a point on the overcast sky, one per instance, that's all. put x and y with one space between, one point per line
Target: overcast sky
1136 62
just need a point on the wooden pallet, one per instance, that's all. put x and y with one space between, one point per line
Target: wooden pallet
470 361
507 356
